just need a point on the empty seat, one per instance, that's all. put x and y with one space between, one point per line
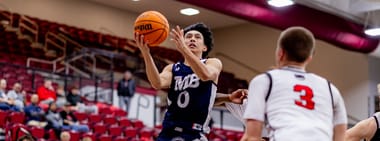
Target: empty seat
80 116
115 130
99 128
130 132
17 117
74 136
125 122
137 123
95 118
37 132
105 137
109 120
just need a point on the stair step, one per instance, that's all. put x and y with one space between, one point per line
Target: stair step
37 45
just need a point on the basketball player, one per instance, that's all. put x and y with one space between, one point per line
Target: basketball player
367 129
295 105
192 83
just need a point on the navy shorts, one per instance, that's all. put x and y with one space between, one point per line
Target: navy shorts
180 135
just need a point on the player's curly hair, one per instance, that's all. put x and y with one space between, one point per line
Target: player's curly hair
206 33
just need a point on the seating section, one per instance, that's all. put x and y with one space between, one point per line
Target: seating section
112 124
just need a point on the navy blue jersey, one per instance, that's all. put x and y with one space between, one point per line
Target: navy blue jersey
190 100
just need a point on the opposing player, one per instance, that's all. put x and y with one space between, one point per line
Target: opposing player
295 105
367 129
192 83
235 102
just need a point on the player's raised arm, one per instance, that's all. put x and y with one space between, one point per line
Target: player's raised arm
158 81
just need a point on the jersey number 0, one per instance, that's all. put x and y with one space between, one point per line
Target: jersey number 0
306 100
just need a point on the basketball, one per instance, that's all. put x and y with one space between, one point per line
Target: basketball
154 26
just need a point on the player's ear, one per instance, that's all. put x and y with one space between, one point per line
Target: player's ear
204 48
309 59
281 53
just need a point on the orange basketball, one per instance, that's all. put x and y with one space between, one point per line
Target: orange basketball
154 26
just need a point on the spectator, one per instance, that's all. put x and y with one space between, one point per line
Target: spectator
61 96
46 93
125 90
27 137
5 102
70 122
34 113
54 119
87 139
65 136
75 100
17 95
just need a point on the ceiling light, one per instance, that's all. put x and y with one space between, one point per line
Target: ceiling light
280 3
189 11
372 31
135 0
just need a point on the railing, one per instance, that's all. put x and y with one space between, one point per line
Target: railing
29 25
37 60
56 41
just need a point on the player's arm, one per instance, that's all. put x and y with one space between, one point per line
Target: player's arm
339 131
340 115
255 110
253 130
208 71
236 97
158 81
359 131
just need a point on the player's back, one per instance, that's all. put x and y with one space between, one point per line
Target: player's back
299 106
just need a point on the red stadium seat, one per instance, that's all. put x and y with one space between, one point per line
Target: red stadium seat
75 136
130 132
137 123
80 116
17 117
37 132
109 120
115 130
99 128
105 137
125 122
95 118
120 138
3 118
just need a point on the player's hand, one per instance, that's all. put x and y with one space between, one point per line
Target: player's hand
178 38
238 96
143 46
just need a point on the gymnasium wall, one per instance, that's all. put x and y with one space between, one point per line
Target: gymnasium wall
251 44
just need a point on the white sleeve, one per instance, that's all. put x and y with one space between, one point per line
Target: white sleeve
257 91
237 110
340 115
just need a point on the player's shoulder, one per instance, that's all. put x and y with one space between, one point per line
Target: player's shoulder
216 60
317 77
169 67
260 77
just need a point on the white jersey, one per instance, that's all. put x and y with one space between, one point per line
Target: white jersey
237 110
295 105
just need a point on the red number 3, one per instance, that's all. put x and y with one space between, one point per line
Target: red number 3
306 101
